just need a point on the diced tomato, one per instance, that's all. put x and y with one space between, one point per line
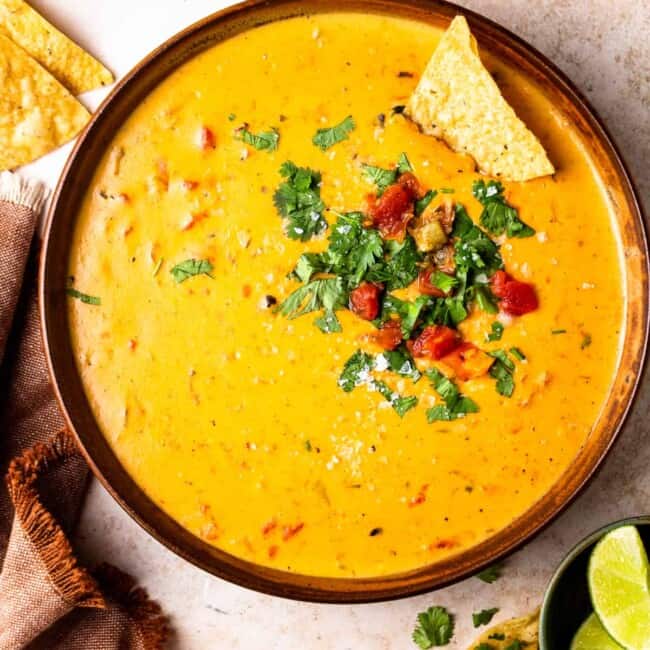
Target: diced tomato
389 335
425 285
364 300
435 342
392 211
410 183
468 362
207 139
517 298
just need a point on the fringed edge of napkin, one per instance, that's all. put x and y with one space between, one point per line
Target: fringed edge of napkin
22 191
74 583
145 613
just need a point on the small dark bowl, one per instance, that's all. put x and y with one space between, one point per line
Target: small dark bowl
566 601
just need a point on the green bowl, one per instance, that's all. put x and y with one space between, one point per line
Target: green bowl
566 601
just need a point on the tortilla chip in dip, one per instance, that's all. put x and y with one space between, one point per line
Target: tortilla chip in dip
458 100
503 635
65 60
37 114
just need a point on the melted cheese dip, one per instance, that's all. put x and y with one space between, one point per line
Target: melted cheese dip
228 415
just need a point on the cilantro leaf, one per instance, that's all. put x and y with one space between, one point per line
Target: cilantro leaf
328 137
498 216
328 323
382 178
443 281
328 294
84 297
263 141
356 371
455 405
434 627
408 312
491 574
401 362
404 164
484 616
496 333
400 404
421 204
401 265
298 200
502 370
518 354
185 270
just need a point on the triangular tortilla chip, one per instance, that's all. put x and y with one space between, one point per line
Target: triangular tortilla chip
502 635
65 60
458 100
37 114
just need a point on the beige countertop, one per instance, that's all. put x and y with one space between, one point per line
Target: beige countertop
604 47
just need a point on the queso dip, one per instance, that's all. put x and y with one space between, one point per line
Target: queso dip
232 415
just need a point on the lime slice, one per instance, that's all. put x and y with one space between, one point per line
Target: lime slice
593 636
618 582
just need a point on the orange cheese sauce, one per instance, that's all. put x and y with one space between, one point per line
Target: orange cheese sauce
228 415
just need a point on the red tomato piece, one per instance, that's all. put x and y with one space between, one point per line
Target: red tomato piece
364 300
389 335
468 362
425 285
435 342
517 298
392 211
410 183
207 139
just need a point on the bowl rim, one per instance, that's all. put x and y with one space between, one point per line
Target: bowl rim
589 540
346 590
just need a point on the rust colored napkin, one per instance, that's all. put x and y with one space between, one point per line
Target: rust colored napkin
47 598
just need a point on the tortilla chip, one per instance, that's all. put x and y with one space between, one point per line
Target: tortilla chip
525 629
65 60
458 100
37 114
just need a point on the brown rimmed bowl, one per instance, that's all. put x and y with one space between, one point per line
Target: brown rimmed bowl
78 173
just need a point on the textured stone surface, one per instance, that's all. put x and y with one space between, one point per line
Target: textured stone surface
604 47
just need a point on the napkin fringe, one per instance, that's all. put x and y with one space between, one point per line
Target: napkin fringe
147 614
75 585
28 192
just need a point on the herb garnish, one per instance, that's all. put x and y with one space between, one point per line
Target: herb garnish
560 331
83 297
498 216
518 354
491 574
400 267
435 627
298 200
496 333
328 294
484 616
455 404
382 178
263 141
586 341
502 370
421 204
401 362
188 268
328 137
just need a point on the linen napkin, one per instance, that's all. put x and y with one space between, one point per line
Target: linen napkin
47 598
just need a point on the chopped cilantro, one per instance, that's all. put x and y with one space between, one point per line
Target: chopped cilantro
502 370
231 117
446 190
328 322
434 628
188 268
484 616
382 178
263 141
404 164
498 216
356 371
84 297
307 445
558 331
298 200
483 296
497 636
401 362
518 354
496 333
328 294
443 281
399 403
326 138
491 574
455 404
421 204
586 341
408 312
484 646
400 268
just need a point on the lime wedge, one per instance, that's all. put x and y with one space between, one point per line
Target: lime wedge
593 636
618 582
